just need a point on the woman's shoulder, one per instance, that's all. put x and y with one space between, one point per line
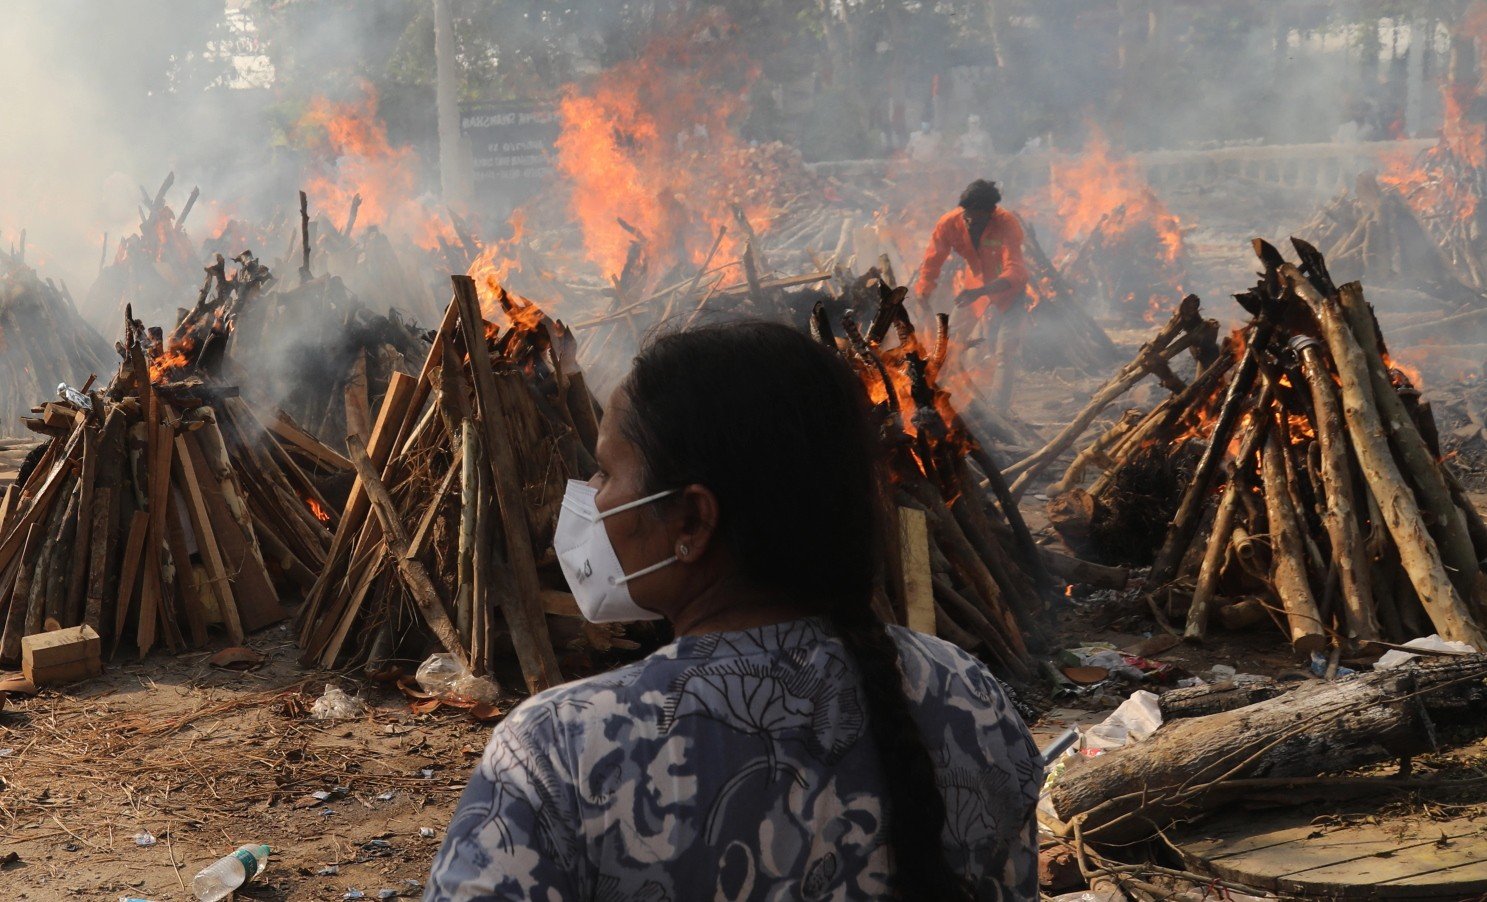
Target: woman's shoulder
936 671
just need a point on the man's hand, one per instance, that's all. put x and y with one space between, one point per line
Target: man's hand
971 295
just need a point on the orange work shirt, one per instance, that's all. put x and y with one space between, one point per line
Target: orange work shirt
998 257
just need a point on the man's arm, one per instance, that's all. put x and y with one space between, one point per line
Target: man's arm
934 260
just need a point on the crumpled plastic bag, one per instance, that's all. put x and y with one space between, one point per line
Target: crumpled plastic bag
335 704
1433 642
443 675
1136 719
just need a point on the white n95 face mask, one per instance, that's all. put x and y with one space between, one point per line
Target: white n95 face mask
593 570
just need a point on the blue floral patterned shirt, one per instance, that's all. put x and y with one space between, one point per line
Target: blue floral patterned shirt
737 766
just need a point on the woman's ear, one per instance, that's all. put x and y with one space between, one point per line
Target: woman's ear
699 522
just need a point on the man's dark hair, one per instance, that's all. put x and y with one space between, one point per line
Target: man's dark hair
779 428
981 194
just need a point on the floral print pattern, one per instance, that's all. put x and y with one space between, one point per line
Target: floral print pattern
737 766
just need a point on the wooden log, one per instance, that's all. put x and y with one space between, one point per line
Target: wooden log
1244 613
1071 569
1288 566
469 513
1340 513
15 619
1216 698
1097 453
522 608
1170 341
918 577
1219 537
130 565
412 571
1188 518
1126 794
1416 461
1418 553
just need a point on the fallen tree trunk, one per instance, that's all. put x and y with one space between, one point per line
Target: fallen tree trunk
1130 793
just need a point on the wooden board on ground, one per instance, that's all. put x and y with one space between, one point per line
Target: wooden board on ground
1384 858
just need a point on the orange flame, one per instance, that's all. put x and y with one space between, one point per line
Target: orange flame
320 512
355 157
650 143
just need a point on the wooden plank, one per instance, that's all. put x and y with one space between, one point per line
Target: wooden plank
358 402
77 586
919 590
186 587
152 594
11 544
1404 857
320 627
207 544
139 527
288 431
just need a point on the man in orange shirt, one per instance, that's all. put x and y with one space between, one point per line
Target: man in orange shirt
989 240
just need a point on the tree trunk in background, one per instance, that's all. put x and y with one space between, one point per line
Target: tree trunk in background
452 177
996 27
1414 83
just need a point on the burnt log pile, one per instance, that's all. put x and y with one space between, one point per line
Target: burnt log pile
1374 232
982 579
446 537
1311 490
43 342
1131 262
160 506
152 266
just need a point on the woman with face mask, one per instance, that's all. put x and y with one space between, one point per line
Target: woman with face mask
787 744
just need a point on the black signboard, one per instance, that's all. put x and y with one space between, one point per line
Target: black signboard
511 145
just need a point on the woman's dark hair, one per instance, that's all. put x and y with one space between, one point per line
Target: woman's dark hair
778 427
980 195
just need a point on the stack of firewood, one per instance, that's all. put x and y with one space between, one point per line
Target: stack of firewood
160 505
313 349
1312 486
447 533
448 529
1375 233
43 342
981 577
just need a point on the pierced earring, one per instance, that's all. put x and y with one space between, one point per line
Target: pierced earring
682 551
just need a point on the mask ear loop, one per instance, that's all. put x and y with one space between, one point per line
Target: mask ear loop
643 571
638 502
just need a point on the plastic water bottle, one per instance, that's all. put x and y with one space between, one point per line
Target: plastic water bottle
227 874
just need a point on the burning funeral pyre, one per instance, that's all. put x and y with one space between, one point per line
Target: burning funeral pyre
447 533
152 267
1303 478
43 342
161 504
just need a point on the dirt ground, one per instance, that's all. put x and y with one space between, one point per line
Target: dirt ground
203 760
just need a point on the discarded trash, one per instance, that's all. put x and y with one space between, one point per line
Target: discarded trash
1136 718
6 753
444 675
1103 895
1432 642
329 870
218 880
387 893
427 773
331 795
144 838
385 796
73 396
336 705
426 832
354 894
